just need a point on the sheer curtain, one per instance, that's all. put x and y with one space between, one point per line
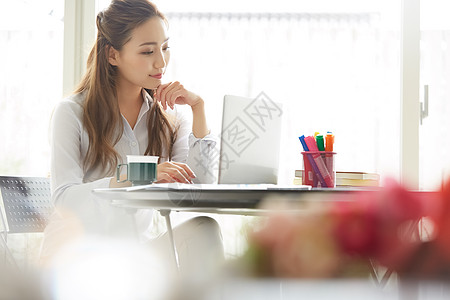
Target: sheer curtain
31 51
331 72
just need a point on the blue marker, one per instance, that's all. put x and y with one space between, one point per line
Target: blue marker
302 140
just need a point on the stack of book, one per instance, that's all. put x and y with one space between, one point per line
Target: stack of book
298 177
348 179
357 179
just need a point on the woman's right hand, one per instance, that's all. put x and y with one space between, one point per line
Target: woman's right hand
171 171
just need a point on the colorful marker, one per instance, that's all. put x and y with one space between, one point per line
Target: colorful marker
312 146
329 141
320 144
311 161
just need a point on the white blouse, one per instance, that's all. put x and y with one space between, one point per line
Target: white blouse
72 188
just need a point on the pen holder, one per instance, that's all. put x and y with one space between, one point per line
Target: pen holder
319 169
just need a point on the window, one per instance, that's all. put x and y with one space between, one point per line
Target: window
334 65
31 35
435 72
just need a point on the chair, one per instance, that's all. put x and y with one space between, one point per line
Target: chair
25 207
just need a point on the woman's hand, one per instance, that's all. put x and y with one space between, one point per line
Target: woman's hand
124 183
170 171
172 93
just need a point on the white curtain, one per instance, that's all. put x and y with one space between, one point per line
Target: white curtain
31 52
332 72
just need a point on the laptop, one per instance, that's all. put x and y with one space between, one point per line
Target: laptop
250 140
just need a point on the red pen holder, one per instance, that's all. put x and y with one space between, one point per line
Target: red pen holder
319 169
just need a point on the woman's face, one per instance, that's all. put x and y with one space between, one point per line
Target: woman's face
143 59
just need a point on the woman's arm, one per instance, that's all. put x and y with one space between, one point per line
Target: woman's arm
69 192
199 125
197 149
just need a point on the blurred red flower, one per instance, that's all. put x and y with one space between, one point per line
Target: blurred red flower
381 226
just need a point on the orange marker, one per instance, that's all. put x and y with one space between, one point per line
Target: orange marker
329 141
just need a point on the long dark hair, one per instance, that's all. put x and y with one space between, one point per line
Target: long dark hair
102 118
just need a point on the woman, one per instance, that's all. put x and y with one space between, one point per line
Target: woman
122 107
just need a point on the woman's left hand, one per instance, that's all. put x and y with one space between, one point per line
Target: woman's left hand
169 94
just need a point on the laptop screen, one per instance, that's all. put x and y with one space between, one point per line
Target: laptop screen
249 140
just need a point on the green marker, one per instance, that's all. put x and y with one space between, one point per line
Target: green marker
319 141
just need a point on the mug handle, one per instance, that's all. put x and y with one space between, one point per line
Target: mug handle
118 173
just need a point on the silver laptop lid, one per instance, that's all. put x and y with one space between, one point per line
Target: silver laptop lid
250 140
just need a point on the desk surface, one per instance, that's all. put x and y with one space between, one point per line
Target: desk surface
207 199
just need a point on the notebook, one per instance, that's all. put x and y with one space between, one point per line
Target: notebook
250 140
